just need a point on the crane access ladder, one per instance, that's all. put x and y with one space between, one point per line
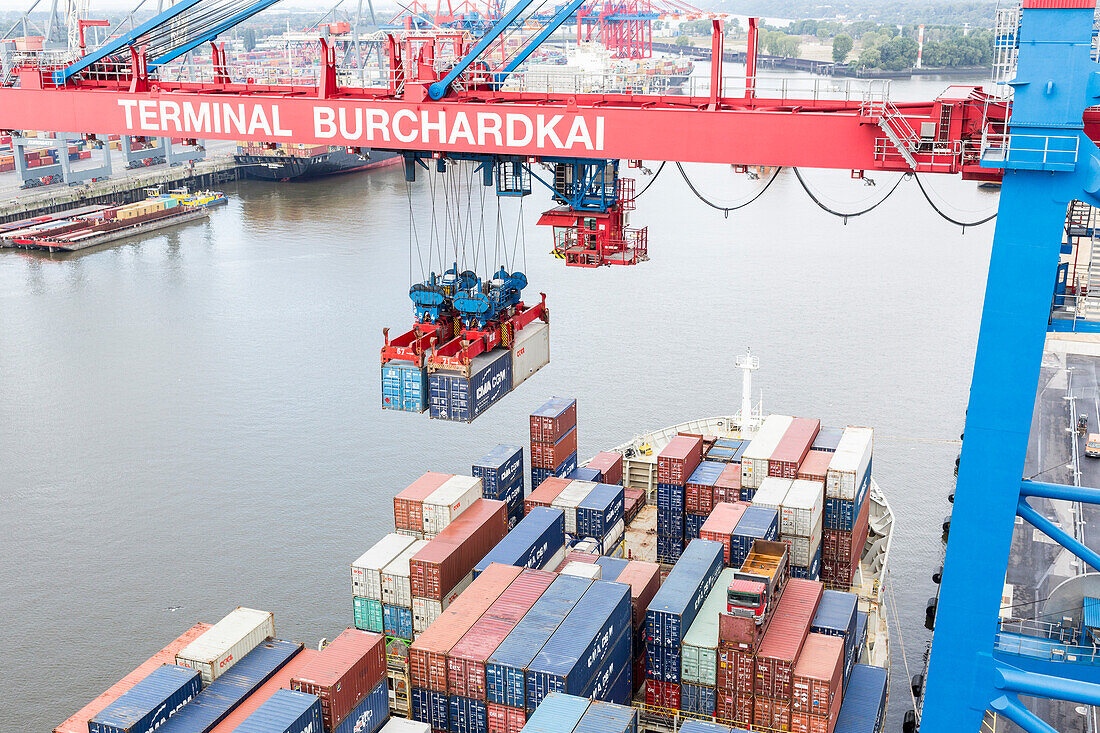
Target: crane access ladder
1083 240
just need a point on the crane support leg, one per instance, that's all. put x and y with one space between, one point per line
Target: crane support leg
1054 85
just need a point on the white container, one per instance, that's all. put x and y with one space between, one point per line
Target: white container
401 725
366 572
802 509
396 589
530 352
427 610
573 494
553 563
413 533
754 462
850 464
226 642
582 570
611 540
448 501
772 492
590 546
803 548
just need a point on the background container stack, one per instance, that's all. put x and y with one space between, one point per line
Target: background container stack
837 615
349 677
644 579
397 598
758 453
727 450
553 439
675 464
699 497
567 500
443 505
537 542
670 615
610 466
601 515
779 651
699 657
366 581
800 520
721 524
727 488
757 523
562 713
408 504
847 509
501 474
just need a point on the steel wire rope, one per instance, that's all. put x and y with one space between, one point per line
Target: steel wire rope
956 222
156 39
508 33
846 216
651 180
414 238
433 240
724 209
901 641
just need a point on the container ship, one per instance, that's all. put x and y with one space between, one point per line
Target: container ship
722 574
293 161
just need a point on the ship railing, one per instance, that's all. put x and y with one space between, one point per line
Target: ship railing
1059 642
662 719
1031 152
1080 306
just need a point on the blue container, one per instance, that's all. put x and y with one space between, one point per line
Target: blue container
720 453
842 514
706 473
608 684
598 512
149 703
670 523
698 699
692 524
554 407
370 714
500 470
827 439
582 473
582 645
557 714
506 669
811 572
747 494
680 597
612 567
404 387
603 717
662 663
864 704
286 711
836 616
431 707
757 523
670 496
224 694
702 726
397 621
669 549
468 715
532 543
538 475
457 397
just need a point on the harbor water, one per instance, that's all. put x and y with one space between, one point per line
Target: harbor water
191 421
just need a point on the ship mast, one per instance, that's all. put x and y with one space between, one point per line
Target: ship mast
748 418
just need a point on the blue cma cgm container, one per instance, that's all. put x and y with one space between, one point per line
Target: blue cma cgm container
431 707
676 604
538 475
468 715
670 497
582 645
662 663
224 694
404 386
836 616
757 523
861 631
149 703
557 714
370 714
706 473
286 711
500 471
598 512
457 397
692 524
669 549
670 523
613 682
532 543
506 669
864 704
841 513
583 473
605 717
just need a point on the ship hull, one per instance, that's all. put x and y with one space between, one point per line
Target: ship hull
336 161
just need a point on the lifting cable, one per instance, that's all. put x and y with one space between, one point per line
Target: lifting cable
846 216
414 239
651 180
724 209
954 221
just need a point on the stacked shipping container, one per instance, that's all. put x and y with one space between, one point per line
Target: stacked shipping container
699 496
538 541
501 474
553 439
366 581
779 651
699 657
847 508
676 463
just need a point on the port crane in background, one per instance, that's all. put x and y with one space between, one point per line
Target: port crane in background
441 106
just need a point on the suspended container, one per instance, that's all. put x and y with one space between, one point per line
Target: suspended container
530 351
456 396
404 386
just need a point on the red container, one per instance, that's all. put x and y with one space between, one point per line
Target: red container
576 556
428 654
721 523
644 579
772 715
815 465
728 486
793 447
679 458
733 709
810 723
638 673
818 676
662 694
451 555
408 506
700 499
610 464
782 642
344 673
466 660
552 455
503 719
552 429
546 492
634 500
736 671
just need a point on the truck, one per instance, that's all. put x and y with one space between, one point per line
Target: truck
755 588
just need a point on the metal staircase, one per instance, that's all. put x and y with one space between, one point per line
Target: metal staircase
896 128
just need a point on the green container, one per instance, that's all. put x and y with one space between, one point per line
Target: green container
368 614
699 660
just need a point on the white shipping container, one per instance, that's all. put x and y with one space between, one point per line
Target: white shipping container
415 534
590 546
754 462
426 610
803 548
555 561
802 509
401 725
530 352
573 494
396 588
850 463
582 569
226 642
448 501
612 538
772 492
366 572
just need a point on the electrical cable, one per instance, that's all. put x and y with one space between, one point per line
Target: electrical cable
651 180
951 219
724 209
846 216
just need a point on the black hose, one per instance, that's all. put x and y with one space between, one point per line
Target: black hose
841 214
651 180
726 209
954 221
